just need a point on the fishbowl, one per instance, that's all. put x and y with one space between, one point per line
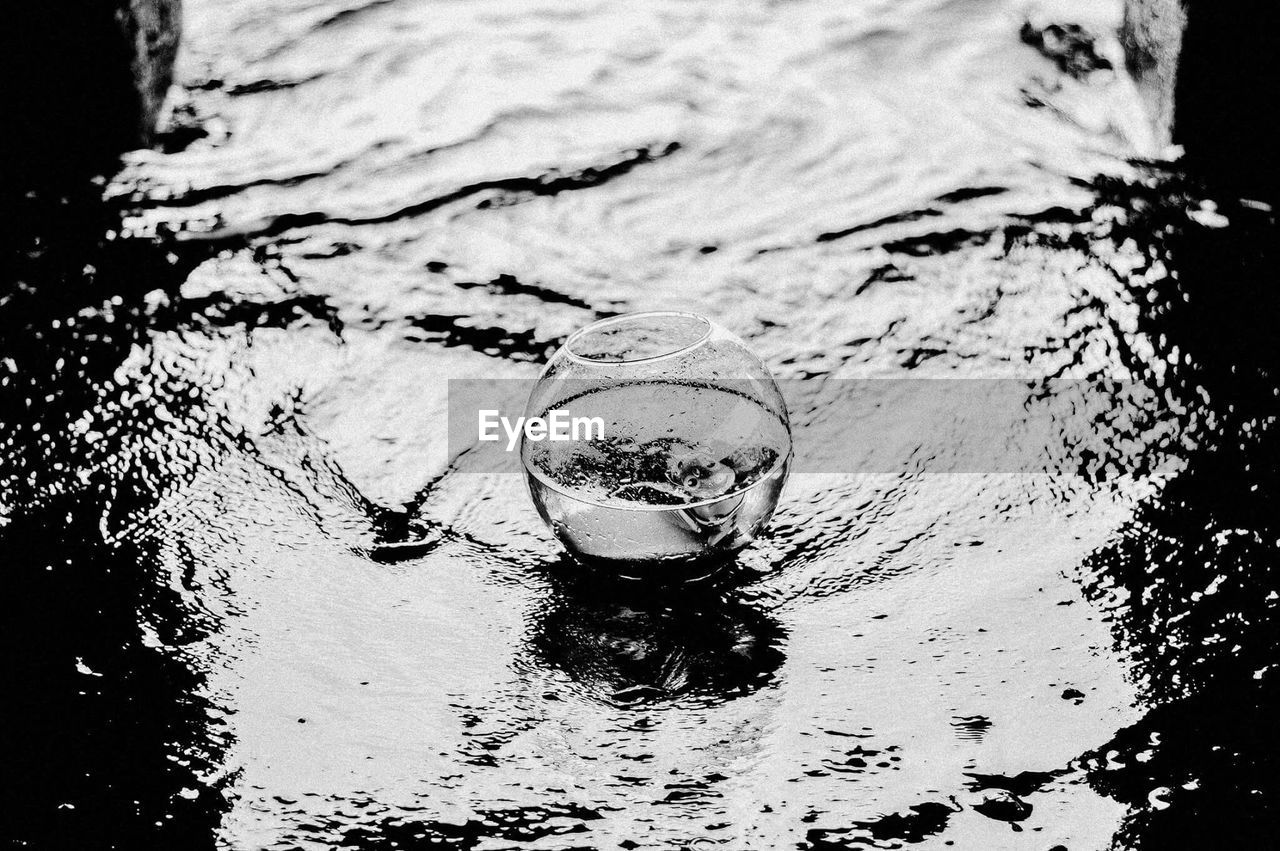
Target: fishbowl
684 448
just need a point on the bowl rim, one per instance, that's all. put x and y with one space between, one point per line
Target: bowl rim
708 328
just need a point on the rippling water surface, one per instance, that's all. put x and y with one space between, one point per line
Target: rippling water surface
260 608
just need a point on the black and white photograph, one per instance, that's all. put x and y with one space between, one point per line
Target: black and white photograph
579 425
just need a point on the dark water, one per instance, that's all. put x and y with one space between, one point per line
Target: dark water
249 604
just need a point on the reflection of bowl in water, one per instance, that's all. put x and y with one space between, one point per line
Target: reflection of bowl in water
631 648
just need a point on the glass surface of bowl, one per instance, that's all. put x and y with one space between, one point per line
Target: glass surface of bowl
679 445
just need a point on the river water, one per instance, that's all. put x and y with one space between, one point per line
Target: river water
256 605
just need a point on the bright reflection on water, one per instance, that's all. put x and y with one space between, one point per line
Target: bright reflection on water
226 493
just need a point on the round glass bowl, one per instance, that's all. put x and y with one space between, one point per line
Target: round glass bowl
674 444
